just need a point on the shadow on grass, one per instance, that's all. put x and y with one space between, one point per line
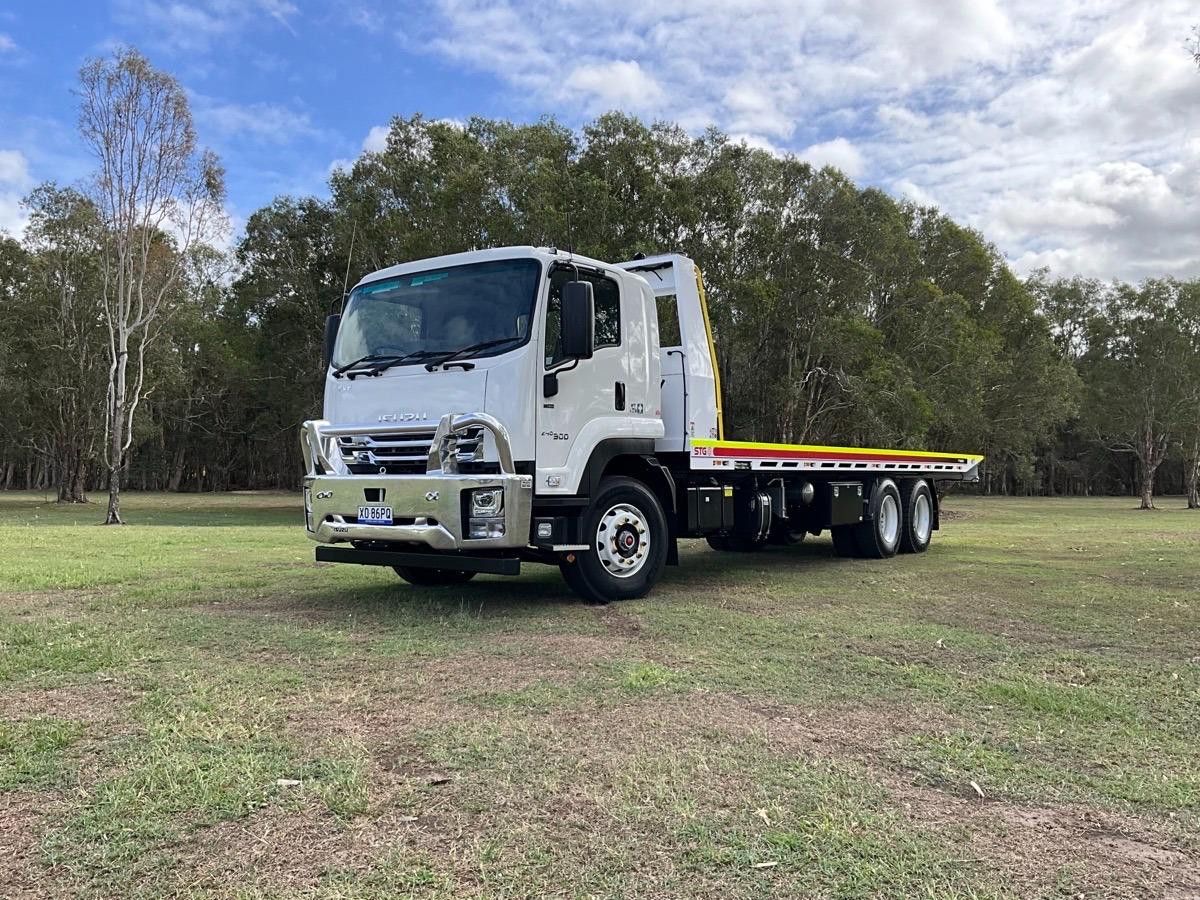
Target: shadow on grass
393 601
540 587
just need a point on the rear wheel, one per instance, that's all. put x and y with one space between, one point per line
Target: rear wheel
433 577
879 535
917 530
627 531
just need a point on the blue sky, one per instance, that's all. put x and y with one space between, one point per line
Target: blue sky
1066 132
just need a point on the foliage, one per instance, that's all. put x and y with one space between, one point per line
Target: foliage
848 316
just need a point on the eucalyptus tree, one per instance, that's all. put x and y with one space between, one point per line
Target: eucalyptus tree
62 337
158 195
1136 368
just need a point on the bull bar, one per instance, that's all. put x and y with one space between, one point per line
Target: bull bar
431 509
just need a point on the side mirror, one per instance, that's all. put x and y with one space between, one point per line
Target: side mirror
331 329
578 321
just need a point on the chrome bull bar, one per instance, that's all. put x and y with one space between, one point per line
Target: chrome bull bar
431 506
322 456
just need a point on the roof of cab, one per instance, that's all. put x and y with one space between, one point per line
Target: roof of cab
546 254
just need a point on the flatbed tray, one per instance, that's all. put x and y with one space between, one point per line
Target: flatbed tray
707 454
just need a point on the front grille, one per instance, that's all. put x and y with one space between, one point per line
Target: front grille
405 454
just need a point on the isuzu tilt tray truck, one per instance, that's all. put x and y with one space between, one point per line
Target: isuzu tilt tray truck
529 405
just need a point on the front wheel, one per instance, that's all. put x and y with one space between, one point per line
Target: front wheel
433 577
628 535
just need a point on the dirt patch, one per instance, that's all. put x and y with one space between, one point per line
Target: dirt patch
94 703
22 815
1098 852
567 803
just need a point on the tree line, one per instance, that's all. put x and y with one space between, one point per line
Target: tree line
841 314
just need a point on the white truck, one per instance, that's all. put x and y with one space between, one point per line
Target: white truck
522 404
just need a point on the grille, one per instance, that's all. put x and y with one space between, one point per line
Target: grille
403 454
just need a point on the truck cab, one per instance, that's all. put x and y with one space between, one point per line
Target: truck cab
527 404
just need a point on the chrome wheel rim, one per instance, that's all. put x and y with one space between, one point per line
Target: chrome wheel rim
922 519
623 540
889 520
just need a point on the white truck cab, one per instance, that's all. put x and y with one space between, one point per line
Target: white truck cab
527 404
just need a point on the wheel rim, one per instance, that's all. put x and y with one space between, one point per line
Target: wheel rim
889 520
623 540
922 519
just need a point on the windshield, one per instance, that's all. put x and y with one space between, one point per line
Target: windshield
440 310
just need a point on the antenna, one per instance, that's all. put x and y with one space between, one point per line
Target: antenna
349 259
570 233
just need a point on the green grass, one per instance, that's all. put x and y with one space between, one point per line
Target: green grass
192 707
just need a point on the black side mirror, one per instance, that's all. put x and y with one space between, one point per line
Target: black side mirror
331 329
578 320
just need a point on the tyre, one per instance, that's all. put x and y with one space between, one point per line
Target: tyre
433 577
879 535
917 527
845 542
628 533
783 534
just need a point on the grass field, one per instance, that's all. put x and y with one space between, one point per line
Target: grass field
190 707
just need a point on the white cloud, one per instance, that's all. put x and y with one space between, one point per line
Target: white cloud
15 182
376 139
1059 130
839 153
196 25
620 84
7 44
264 122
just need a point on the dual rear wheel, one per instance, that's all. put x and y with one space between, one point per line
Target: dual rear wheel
899 519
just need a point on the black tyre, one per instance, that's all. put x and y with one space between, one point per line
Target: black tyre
628 533
433 577
845 542
783 534
917 529
879 535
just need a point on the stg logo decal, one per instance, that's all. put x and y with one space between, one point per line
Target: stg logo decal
556 435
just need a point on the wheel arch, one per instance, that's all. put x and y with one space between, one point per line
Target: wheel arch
649 471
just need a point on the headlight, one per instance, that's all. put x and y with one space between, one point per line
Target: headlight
487 502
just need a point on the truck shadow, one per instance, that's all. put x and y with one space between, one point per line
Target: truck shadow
540 588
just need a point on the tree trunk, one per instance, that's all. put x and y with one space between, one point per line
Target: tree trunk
1193 475
116 443
72 476
176 471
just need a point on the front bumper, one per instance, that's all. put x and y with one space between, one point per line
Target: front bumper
430 510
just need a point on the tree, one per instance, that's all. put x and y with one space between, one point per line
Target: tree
62 338
157 196
1139 355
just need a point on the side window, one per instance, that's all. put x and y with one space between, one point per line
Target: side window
669 334
607 295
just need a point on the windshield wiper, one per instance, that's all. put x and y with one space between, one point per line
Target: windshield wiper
448 355
370 357
386 364
382 361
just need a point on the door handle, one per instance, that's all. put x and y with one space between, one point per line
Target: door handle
620 395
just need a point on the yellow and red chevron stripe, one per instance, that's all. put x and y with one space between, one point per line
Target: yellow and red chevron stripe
707 447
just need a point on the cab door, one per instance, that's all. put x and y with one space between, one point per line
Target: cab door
586 401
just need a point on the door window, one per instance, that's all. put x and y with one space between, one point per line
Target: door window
607 295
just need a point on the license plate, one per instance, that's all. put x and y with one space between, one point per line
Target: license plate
375 515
